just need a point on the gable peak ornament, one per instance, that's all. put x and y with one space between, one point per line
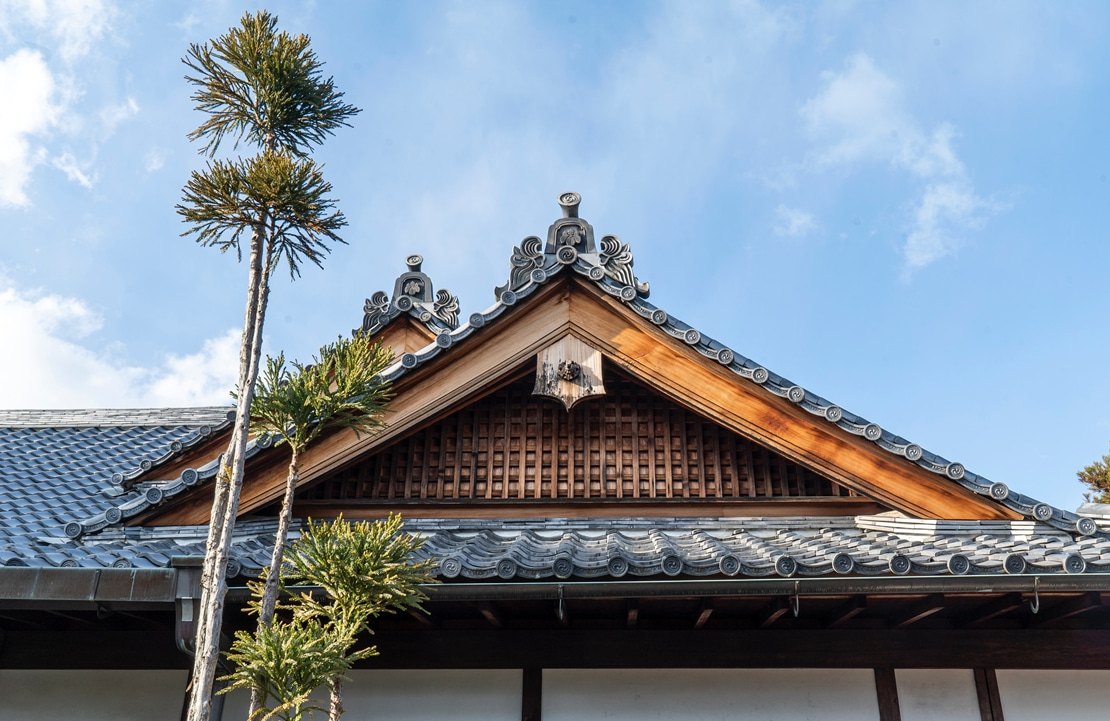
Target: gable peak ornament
570 243
413 294
569 370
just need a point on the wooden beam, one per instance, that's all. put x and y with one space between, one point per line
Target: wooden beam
992 609
531 697
1067 609
772 612
847 611
491 614
588 508
986 688
706 612
916 611
425 620
886 688
771 648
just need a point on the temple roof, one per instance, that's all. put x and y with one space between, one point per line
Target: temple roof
70 479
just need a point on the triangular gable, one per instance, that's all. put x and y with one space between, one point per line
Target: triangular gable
629 452
455 376
570 286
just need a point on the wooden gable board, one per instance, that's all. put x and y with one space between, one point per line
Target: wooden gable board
629 453
487 361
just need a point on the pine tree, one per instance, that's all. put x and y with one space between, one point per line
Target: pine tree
341 388
1097 479
263 88
361 570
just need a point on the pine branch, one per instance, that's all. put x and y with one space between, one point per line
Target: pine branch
264 86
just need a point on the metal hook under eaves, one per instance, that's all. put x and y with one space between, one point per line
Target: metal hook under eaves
795 602
1035 605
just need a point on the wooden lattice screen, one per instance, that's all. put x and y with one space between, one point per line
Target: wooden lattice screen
628 444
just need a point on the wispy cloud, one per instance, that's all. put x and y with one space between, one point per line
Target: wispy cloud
72 27
113 115
28 89
793 222
57 367
155 159
74 170
39 87
860 116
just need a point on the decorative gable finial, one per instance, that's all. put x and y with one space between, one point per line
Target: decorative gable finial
412 294
570 242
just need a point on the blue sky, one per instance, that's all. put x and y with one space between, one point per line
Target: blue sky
902 207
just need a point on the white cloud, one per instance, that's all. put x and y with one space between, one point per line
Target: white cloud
202 378
73 26
793 222
28 89
49 363
860 116
39 95
945 209
73 170
113 115
155 159
859 111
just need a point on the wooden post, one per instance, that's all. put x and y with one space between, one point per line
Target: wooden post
531 698
886 688
986 688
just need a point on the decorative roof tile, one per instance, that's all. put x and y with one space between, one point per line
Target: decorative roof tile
412 294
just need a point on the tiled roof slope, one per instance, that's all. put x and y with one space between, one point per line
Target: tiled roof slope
52 475
61 468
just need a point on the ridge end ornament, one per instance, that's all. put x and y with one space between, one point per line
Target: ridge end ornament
570 241
412 294
569 371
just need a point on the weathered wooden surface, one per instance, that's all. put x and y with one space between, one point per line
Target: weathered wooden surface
630 444
569 371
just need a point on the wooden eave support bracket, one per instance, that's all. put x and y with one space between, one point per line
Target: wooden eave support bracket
1070 607
991 610
918 610
772 612
704 614
491 614
853 607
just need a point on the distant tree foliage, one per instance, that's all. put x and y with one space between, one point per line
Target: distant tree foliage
1097 478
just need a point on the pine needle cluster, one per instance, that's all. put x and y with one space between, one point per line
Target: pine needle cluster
346 574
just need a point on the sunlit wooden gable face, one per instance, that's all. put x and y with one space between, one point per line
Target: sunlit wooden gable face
677 424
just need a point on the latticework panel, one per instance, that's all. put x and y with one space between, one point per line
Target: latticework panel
629 443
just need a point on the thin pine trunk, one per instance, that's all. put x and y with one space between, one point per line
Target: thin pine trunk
335 708
229 481
273 577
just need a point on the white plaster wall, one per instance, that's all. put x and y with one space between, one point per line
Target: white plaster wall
434 695
1055 695
710 694
91 695
937 695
